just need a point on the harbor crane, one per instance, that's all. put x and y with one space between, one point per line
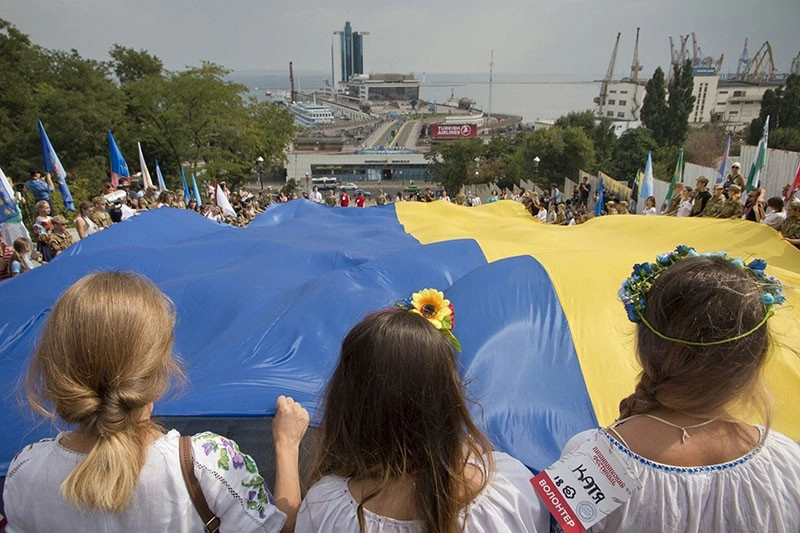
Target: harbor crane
292 87
607 80
795 68
761 67
743 59
635 66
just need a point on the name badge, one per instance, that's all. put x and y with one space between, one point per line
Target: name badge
587 484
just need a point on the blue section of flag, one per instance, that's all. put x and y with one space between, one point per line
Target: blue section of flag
598 206
119 168
8 209
185 186
53 165
646 187
335 266
161 185
196 192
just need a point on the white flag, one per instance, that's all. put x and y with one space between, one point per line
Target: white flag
223 203
145 173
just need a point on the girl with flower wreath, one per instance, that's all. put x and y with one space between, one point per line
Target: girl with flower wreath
397 449
703 337
116 469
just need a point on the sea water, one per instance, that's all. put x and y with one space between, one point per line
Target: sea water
532 96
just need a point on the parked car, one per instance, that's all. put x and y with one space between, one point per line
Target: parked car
366 194
348 187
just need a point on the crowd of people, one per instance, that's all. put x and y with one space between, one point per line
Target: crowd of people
49 235
397 448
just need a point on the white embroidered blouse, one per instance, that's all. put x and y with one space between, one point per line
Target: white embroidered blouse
508 503
230 481
759 491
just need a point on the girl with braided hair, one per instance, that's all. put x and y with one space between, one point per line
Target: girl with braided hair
702 340
104 357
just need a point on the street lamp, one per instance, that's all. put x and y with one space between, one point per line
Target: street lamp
535 167
308 191
260 167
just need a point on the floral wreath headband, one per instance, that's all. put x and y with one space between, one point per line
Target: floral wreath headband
634 289
432 305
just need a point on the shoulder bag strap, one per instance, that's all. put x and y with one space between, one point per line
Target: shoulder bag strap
210 520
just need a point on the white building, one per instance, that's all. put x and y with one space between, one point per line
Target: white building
739 102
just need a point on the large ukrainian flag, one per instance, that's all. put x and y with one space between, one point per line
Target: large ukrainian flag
546 346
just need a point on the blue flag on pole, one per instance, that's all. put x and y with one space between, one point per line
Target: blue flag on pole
53 165
646 187
186 194
119 168
161 185
196 192
598 206
8 208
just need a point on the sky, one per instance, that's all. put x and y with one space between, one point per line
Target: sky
437 36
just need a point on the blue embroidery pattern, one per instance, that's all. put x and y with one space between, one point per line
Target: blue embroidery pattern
686 469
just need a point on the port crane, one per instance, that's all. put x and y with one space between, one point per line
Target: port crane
743 59
607 80
635 66
761 67
292 87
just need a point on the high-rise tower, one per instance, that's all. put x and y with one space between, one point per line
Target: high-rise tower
352 46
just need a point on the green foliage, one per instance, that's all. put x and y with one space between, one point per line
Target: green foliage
681 103
664 160
668 120
654 107
785 139
193 116
600 131
562 153
290 187
450 163
630 153
783 107
131 65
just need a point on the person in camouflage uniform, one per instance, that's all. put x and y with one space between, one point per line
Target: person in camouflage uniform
58 238
733 207
714 203
148 201
790 228
675 201
99 215
330 200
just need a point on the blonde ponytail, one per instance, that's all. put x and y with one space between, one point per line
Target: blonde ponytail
104 356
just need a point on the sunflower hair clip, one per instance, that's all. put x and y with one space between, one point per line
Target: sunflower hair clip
432 305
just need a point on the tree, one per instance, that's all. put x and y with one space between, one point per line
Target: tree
630 154
451 162
654 107
562 152
703 145
680 105
131 65
196 116
668 119
600 130
782 105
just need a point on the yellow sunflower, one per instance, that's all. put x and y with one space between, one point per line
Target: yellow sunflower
431 304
